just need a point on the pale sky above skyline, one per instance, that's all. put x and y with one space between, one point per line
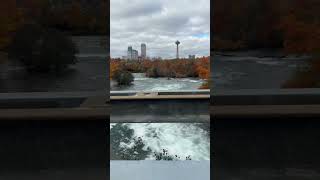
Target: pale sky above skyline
158 24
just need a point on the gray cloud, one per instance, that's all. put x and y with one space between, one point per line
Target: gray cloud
159 23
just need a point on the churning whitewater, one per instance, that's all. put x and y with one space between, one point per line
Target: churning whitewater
140 141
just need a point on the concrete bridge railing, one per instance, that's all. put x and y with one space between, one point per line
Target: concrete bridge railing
265 103
162 105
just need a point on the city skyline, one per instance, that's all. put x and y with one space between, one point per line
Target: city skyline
159 24
133 54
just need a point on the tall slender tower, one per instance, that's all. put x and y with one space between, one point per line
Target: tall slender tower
177 43
143 51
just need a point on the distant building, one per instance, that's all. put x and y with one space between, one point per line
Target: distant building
192 56
135 54
129 54
132 54
156 58
143 51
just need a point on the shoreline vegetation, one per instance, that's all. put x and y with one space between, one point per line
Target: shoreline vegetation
169 68
293 26
75 17
37 32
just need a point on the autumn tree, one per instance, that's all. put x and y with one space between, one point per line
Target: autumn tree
114 67
302 36
10 19
37 11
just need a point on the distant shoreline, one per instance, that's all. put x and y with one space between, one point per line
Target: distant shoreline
259 53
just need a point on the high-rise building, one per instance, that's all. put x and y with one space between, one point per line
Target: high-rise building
132 54
143 51
135 55
129 54
192 56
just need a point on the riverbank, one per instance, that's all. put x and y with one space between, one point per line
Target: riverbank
165 70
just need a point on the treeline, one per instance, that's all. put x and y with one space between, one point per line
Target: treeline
182 68
76 17
289 24
37 32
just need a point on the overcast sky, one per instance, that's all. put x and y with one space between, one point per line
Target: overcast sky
159 23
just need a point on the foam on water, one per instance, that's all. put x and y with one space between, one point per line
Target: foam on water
192 80
143 83
112 124
140 79
271 63
182 139
166 87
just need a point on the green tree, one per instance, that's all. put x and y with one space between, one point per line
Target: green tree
41 49
123 77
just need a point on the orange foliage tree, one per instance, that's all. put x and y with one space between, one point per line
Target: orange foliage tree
74 15
300 37
301 29
10 18
114 66
203 71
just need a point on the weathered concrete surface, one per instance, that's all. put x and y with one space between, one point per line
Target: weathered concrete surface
57 114
265 97
54 105
272 112
262 148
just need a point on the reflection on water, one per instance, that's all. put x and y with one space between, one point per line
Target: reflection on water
143 83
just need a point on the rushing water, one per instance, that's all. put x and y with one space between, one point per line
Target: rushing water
88 74
143 83
249 71
139 141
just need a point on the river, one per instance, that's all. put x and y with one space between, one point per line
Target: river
143 83
254 70
88 74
